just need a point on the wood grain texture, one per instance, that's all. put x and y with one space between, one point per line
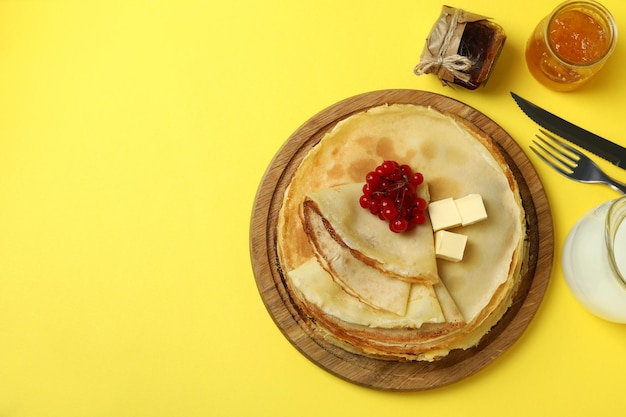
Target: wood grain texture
381 374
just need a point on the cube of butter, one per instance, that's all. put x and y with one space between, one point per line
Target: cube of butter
471 209
444 214
450 246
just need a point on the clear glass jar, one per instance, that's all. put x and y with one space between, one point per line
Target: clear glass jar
594 260
571 44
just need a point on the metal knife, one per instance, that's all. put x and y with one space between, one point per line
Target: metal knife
603 148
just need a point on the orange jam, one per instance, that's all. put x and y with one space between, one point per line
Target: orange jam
569 46
577 37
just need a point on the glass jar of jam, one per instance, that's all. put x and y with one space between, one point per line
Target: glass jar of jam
570 45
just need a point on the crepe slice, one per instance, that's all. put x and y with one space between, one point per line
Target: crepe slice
409 256
324 294
358 279
450 310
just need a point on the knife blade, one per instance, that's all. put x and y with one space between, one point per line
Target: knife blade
595 144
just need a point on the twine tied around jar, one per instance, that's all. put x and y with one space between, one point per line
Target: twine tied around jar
438 45
455 64
441 53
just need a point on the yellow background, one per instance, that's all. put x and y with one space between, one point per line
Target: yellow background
133 136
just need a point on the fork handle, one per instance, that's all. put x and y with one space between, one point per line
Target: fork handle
616 185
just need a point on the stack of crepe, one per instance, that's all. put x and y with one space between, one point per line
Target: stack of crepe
382 294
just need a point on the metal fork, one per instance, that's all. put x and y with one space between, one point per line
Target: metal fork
571 163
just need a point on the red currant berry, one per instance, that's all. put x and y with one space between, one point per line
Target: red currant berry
419 218
417 179
389 212
364 201
398 225
372 178
374 206
386 202
395 175
384 185
388 167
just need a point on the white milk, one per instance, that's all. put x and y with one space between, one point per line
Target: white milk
587 270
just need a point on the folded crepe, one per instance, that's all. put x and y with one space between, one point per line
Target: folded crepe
323 292
366 283
456 159
408 256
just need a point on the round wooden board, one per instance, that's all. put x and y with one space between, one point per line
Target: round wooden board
381 374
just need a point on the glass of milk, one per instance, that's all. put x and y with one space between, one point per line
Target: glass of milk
594 260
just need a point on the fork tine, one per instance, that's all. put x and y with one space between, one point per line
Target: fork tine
564 145
557 167
556 152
